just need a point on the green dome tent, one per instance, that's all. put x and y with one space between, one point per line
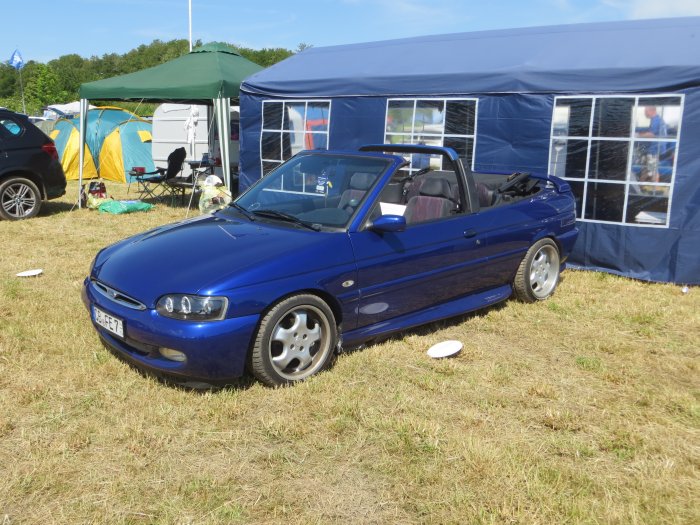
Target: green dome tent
116 140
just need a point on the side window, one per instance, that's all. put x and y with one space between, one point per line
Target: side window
13 128
289 127
618 154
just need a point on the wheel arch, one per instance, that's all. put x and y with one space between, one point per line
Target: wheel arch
546 234
36 179
326 297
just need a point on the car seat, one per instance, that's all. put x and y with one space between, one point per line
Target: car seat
433 202
359 184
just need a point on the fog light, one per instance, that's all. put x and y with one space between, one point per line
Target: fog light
173 355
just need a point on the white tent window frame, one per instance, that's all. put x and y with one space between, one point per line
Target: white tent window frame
419 134
633 188
294 132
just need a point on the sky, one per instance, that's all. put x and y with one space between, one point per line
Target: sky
46 29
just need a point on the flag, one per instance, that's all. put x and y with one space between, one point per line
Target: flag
16 60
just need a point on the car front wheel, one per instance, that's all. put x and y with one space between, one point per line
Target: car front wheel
19 199
538 274
295 340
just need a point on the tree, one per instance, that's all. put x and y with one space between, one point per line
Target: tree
71 71
59 80
8 79
43 87
265 57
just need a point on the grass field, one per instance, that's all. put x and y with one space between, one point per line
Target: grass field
581 409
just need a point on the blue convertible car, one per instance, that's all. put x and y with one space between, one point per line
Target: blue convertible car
331 249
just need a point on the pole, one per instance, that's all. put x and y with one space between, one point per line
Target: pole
21 90
190 19
81 154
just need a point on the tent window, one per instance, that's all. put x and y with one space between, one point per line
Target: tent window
289 127
619 155
145 135
433 121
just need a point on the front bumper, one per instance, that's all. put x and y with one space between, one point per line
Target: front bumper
216 351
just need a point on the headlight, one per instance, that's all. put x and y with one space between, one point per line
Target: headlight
192 307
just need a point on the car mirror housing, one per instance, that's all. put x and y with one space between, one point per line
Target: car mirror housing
389 223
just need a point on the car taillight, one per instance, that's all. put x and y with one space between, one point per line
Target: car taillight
50 149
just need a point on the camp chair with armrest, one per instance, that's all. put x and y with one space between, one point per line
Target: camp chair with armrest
156 183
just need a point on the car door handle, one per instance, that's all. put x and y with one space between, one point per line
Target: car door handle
469 233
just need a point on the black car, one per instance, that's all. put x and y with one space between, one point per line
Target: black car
30 170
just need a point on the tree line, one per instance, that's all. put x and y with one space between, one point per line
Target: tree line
59 80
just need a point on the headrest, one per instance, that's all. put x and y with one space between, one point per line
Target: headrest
178 155
361 181
436 188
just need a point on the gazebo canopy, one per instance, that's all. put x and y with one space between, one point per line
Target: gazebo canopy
208 72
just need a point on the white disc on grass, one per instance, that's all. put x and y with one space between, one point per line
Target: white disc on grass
445 349
30 273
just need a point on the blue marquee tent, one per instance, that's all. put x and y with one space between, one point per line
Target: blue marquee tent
612 107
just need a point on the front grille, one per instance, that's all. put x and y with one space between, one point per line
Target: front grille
117 296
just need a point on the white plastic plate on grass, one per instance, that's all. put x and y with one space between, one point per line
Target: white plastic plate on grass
30 273
445 349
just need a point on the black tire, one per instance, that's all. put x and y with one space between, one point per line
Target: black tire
19 199
538 274
295 340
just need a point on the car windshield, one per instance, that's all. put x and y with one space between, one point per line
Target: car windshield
313 191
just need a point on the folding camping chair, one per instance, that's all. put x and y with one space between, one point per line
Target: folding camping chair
165 182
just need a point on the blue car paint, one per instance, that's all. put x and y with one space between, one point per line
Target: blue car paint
436 270
206 259
214 343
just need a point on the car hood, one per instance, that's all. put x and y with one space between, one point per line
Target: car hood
214 253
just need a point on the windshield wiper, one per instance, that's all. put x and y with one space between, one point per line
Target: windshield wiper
245 212
275 214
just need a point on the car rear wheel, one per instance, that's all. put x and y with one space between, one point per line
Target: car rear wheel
19 199
538 274
296 339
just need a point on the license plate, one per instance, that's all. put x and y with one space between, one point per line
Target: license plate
108 322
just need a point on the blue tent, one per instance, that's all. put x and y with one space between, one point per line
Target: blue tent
612 107
116 141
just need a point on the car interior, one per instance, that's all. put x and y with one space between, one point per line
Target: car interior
429 194
326 191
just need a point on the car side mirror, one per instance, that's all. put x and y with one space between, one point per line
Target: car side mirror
389 223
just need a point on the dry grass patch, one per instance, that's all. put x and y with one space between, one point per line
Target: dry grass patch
581 409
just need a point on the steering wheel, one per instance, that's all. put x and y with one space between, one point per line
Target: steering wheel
412 176
512 181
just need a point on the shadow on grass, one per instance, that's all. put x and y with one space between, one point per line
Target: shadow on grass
55 207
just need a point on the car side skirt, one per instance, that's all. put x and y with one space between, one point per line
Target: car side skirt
459 306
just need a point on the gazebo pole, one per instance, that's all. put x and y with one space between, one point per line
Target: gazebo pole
81 156
222 110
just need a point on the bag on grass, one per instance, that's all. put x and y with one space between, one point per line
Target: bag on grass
118 207
213 198
95 189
